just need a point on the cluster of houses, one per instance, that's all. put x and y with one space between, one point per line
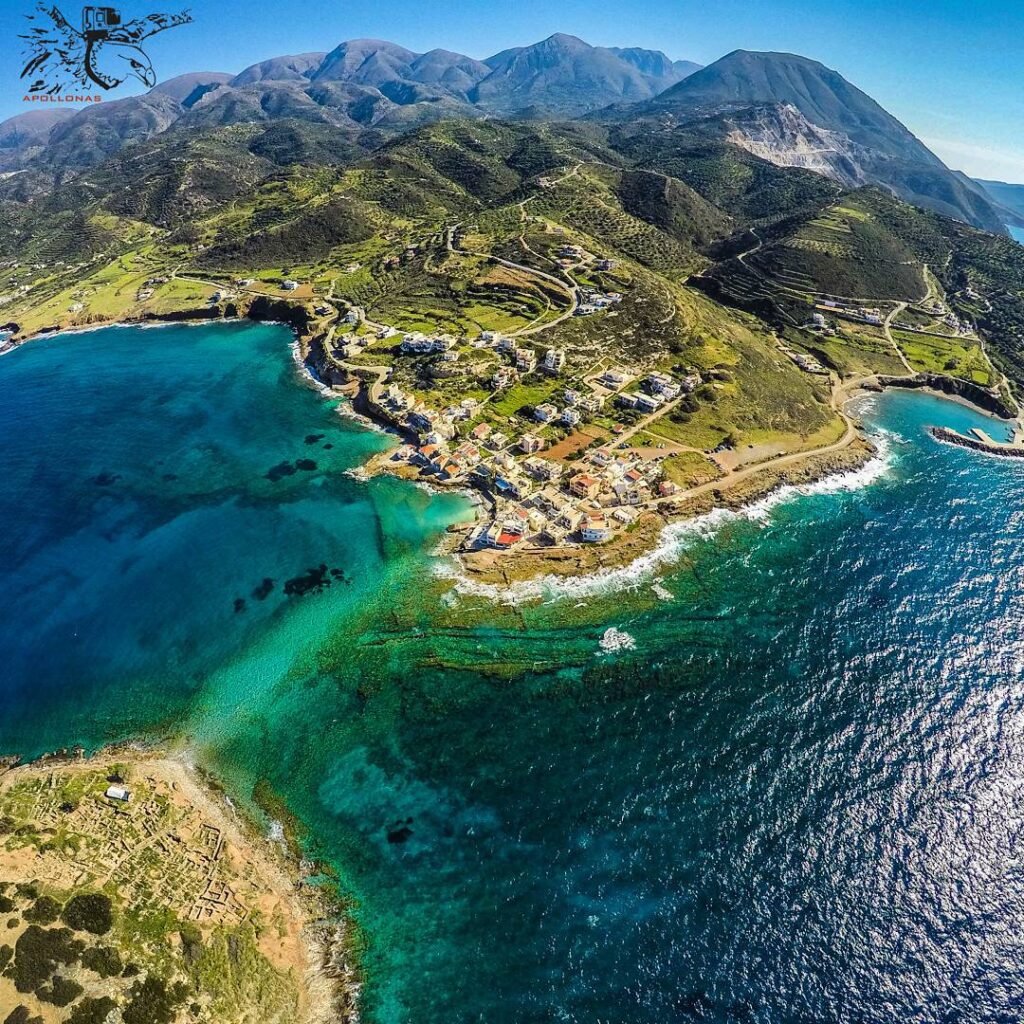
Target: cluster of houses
960 328
806 362
656 390
864 314
596 302
603 495
537 499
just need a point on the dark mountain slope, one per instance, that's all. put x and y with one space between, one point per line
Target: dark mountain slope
565 75
24 136
864 142
1010 198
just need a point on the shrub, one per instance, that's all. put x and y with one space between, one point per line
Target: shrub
45 910
6 955
154 1002
191 943
37 953
90 912
6 904
60 992
103 960
20 1015
92 1011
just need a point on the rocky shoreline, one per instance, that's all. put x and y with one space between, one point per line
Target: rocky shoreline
264 308
500 568
951 387
505 567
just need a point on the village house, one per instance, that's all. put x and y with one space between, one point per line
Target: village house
419 344
624 515
554 360
552 500
426 421
289 286
592 403
503 377
428 454
570 417
614 378
530 443
480 431
526 360
583 485
567 519
545 412
594 528
542 469
468 453
394 396
553 534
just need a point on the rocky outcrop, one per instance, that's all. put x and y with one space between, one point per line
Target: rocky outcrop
782 135
983 398
323 367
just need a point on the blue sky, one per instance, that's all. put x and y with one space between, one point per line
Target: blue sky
950 70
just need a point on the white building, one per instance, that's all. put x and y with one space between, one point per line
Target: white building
554 360
526 360
594 528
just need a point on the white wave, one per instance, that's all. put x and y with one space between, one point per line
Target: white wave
674 540
661 592
616 640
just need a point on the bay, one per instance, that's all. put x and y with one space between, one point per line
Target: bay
790 794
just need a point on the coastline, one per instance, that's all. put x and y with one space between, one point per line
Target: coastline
503 569
313 936
656 540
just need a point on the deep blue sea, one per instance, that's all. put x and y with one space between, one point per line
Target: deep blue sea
790 793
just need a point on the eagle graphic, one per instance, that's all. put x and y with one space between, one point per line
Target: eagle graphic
105 53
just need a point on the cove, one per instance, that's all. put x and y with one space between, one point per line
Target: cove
795 798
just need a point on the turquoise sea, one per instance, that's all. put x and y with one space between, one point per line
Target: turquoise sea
1017 233
786 790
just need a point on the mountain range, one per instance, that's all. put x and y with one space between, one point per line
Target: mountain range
783 108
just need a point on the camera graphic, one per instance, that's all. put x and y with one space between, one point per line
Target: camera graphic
98 21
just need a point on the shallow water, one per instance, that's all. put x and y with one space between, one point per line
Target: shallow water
794 796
